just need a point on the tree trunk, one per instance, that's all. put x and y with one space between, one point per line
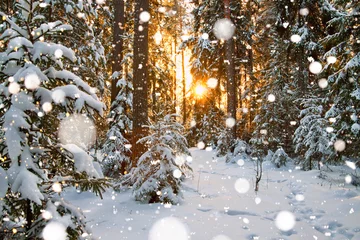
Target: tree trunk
119 22
140 80
230 73
184 86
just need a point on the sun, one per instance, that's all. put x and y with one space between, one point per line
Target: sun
200 90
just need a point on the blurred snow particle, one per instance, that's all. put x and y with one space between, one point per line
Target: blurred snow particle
299 197
285 221
292 123
162 9
271 98
189 159
144 16
315 67
158 37
242 185
212 82
100 2
58 96
205 36
329 129
285 24
246 220
77 129
257 200
295 38
32 81
179 160
168 228
240 162
230 122
47 107
304 11
58 53
14 88
54 231
348 179
350 165
339 145
221 237
177 173
46 215
56 187
323 83
208 149
201 145
332 120
192 123
331 59
224 29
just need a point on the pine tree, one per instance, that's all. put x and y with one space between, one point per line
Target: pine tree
161 169
313 137
342 44
116 149
36 92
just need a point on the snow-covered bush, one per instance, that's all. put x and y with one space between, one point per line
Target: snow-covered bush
161 169
280 158
36 93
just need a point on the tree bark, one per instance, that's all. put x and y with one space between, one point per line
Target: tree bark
119 21
140 80
230 72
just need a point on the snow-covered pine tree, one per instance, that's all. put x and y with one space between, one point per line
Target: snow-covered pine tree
313 137
343 66
162 168
280 158
207 128
276 92
116 148
36 92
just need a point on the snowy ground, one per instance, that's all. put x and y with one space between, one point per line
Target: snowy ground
213 207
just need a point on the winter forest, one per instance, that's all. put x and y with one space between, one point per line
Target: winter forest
178 120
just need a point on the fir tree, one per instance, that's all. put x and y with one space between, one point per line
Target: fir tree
36 92
313 137
161 169
342 45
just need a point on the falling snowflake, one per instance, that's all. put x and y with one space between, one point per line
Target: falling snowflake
224 29
285 221
169 228
242 185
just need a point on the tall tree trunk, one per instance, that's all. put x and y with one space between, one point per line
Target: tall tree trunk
140 79
119 21
183 86
230 73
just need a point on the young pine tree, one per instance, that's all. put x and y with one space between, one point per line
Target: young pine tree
162 168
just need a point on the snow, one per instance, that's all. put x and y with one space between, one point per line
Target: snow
3 183
54 231
144 16
224 29
285 221
212 207
169 228
315 67
77 129
83 162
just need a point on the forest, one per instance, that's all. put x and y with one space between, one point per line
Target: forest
125 96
